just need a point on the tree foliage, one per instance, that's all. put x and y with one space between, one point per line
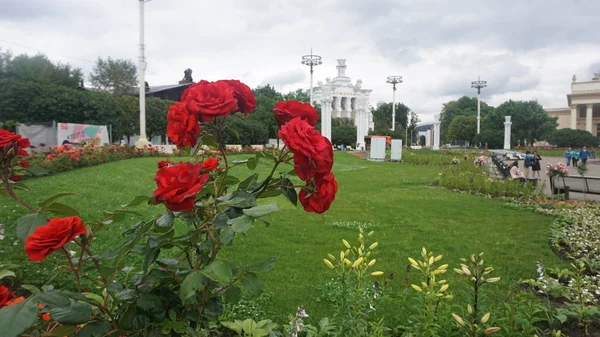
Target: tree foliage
251 131
382 116
530 122
462 128
572 138
118 77
464 106
39 69
343 132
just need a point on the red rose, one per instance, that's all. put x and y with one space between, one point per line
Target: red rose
23 164
16 177
285 111
210 164
182 128
178 185
164 163
14 140
245 98
208 100
319 197
313 153
5 296
52 236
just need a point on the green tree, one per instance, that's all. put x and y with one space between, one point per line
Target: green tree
251 131
462 128
382 116
343 132
530 122
129 118
40 69
573 138
156 116
464 106
118 77
266 97
298 95
412 124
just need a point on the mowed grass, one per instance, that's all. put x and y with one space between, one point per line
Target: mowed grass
406 211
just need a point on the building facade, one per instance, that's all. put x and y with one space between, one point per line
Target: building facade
339 97
583 111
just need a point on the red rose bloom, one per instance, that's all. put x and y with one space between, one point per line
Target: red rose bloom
16 177
182 128
313 153
178 185
11 139
210 164
245 98
319 197
52 236
164 163
5 296
23 164
285 111
208 100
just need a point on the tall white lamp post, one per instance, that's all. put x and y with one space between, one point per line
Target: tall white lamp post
393 80
143 140
478 85
311 61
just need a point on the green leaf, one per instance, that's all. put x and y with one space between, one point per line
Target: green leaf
61 210
210 141
261 210
263 267
251 163
27 224
235 132
126 295
37 171
269 193
249 325
55 197
65 330
17 318
94 329
138 200
226 236
228 181
192 282
150 258
242 224
247 182
219 271
241 199
233 295
287 187
149 302
252 283
53 298
165 220
6 273
167 262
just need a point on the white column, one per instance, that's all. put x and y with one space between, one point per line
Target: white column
574 117
311 85
338 106
394 109
436 132
143 140
478 113
507 125
326 117
588 117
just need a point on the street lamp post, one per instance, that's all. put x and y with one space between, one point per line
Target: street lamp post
311 61
143 140
479 84
394 80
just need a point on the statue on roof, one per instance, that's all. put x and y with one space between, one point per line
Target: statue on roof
341 67
574 78
187 76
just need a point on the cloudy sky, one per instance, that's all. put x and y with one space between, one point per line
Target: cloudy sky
524 49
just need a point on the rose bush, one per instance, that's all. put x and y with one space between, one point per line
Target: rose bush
182 282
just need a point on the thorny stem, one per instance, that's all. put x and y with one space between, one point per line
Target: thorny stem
11 193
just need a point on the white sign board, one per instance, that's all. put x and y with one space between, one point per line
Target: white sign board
377 149
78 133
396 154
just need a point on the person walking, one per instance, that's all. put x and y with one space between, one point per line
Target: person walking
584 155
568 157
535 165
575 157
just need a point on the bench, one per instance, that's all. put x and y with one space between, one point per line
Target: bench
502 167
577 184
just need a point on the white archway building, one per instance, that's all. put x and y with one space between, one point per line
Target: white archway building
340 98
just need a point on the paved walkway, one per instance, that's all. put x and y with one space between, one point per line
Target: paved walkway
593 171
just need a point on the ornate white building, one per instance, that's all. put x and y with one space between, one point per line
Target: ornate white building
340 98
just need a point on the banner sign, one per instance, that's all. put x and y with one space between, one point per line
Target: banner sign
80 133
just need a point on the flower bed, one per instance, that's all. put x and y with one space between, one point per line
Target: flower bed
67 157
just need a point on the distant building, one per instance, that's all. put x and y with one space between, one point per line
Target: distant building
425 130
583 112
171 91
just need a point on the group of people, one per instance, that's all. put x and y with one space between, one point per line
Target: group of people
532 167
572 157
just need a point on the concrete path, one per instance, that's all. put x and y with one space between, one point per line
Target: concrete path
593 171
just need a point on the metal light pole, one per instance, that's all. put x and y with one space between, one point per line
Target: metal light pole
311 61
478 85
143 140
394 80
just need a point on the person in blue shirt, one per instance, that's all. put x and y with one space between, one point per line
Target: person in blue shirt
575 157
584 154
528 158
568 157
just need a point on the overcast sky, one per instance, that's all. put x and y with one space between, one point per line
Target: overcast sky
523 49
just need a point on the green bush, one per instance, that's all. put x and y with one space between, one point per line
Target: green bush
573 138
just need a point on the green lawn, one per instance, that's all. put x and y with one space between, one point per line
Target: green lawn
406 212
